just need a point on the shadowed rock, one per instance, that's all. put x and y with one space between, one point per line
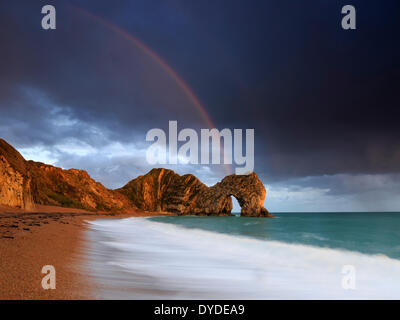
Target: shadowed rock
247 189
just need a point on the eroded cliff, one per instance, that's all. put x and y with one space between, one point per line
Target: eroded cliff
164 190
14 180
26 183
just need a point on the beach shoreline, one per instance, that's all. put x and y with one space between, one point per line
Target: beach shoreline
49 236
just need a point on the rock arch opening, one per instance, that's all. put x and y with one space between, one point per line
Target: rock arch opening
236 208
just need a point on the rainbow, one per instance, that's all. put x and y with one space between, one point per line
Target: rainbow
172 73
185 87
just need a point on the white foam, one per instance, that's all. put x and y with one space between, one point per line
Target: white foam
161 260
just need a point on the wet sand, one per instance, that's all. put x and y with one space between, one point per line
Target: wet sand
51 236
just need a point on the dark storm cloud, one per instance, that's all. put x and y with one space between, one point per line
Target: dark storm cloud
86 68
322 100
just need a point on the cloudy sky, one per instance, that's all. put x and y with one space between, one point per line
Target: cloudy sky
324 102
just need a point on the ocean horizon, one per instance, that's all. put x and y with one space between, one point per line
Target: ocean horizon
292 256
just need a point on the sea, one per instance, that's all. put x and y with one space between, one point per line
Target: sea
346 255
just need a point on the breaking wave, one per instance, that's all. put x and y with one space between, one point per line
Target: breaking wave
138 258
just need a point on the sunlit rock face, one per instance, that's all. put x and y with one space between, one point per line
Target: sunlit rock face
14 180
164 190
73 189
26 183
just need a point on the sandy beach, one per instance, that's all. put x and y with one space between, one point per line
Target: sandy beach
50 236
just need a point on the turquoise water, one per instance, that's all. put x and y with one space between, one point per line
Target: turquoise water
292 256
365 232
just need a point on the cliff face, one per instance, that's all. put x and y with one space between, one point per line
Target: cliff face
14 181
164 190
73 189
26 183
